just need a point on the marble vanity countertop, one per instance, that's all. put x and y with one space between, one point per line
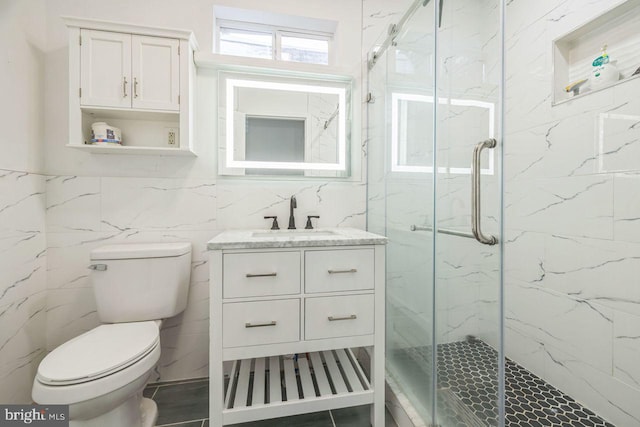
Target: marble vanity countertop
255 239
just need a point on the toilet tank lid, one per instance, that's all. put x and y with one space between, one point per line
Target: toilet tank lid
141 250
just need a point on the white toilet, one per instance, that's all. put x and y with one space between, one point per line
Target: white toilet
101 373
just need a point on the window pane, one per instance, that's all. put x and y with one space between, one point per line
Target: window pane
246 43
300 49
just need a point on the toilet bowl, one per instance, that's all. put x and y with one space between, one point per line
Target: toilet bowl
101 374
98 371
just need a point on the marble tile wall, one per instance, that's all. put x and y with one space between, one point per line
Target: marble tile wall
22 199
571 244
87 212
22 282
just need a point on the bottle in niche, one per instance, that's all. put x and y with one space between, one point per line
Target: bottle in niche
604 70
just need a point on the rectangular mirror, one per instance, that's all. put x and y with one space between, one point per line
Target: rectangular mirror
277 125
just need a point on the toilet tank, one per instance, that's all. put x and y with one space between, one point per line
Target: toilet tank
144 281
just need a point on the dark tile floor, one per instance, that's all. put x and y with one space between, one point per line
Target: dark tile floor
467 394
186 404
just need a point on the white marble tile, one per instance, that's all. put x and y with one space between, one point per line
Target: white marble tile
243 204
73 203
183 356
610 398
626 207
68 257
70 312
158 204
595 270
22 236
572 206
626 348
552 318
22 346
523 348
523 256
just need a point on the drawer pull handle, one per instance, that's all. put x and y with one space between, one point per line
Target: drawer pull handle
333 319
353 270
259 325
262 275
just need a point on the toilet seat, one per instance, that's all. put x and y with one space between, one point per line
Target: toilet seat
98 353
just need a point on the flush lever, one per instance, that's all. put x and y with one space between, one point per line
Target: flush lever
98 267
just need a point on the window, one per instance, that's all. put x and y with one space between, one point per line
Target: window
269 42
246 43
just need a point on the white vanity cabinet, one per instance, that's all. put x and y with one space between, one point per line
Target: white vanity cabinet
139 79
288 317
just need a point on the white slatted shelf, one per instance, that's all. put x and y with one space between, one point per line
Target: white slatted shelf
326 380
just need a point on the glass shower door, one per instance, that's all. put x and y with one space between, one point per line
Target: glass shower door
401 141
435 106
467 257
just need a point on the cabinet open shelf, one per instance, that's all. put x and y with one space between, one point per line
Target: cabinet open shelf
133 150
270 387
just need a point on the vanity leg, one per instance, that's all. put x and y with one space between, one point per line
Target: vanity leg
377 382
216 370
378 353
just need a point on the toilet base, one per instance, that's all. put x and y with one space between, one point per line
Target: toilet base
149 411
137 411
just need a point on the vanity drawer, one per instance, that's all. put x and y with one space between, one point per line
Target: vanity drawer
261 274
339 270
341 316
262 322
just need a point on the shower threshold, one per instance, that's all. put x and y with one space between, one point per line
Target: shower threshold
467 390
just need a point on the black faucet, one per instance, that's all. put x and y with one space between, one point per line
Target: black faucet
292 205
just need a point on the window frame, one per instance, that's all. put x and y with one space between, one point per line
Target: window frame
277 33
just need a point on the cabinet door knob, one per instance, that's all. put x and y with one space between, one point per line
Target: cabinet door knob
135 87
124 87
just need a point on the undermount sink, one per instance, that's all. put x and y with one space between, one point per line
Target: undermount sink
293 233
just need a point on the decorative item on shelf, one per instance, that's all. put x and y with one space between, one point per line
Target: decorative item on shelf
604 70
574 88
104 134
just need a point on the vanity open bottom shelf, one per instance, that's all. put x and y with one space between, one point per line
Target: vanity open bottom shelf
310 382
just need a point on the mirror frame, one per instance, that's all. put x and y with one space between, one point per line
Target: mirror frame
331 85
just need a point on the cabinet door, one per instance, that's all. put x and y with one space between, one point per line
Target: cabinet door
105 69
156 73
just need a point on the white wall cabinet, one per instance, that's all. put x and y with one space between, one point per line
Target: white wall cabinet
129 71
139 79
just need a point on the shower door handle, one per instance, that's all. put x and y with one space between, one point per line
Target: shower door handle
476 219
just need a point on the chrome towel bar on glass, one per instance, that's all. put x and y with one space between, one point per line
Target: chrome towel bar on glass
476 202
442 231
